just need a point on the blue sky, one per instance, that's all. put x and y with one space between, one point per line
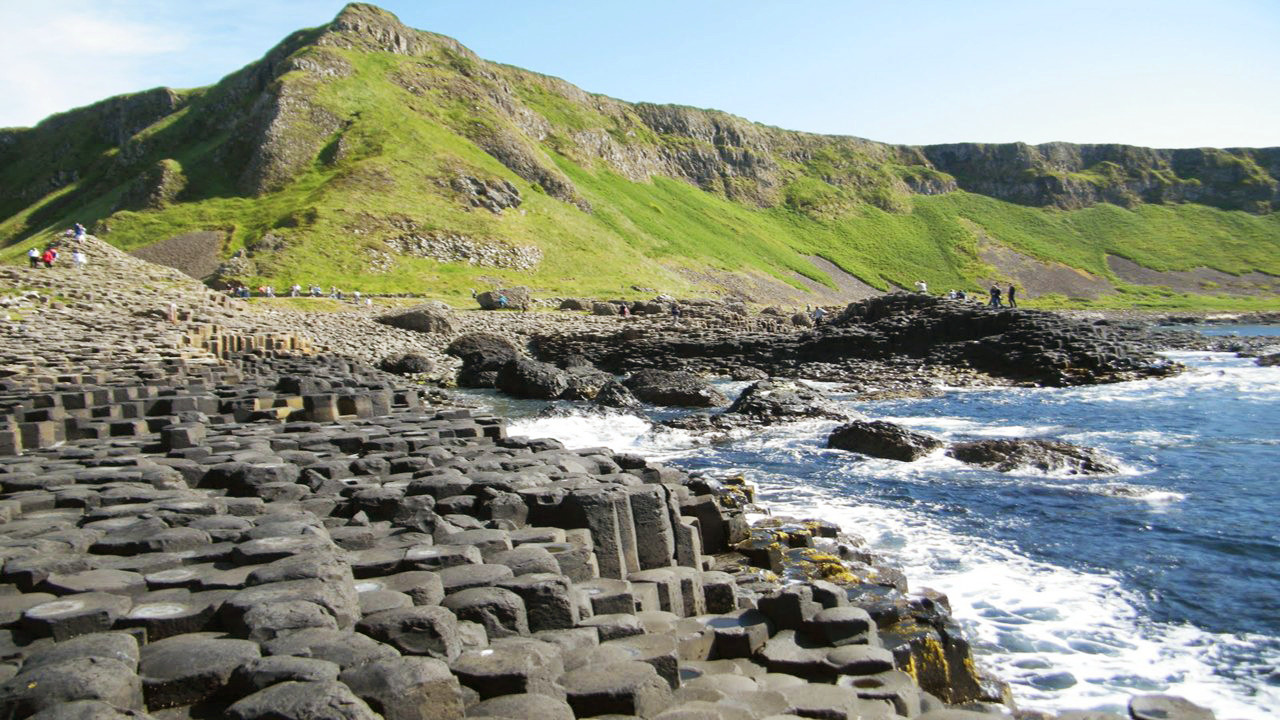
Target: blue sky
1163 73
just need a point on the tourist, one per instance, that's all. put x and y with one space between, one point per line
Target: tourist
78 259
1013 303
356 295
675 311
502 300
49 256
921 287
80 231
995 296
271 291
818 316
34 256
333 291
626 311
294 290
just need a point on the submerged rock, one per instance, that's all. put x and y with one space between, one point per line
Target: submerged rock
1006 455
878 438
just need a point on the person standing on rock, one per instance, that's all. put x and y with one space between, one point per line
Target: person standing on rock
33 255
80 231
78 259
995 296
48 257
1012 292
921 287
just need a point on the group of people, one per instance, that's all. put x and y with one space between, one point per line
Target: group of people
295 290
994 294
49 257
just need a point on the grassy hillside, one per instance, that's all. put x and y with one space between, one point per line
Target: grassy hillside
323 162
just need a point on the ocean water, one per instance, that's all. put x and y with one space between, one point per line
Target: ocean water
1077 591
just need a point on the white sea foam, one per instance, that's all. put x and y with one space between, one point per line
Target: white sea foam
949 427
1064 639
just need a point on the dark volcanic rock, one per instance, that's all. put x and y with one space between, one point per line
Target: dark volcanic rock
1027 346
661 387
1044 455
882 439
517 298
407 364
427 318
527 378
615 394
770 401
482 355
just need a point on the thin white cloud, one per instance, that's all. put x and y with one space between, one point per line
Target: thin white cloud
60 55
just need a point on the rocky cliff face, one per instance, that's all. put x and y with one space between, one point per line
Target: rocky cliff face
264 126
1074 176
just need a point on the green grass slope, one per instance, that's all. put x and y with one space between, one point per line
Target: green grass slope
316 160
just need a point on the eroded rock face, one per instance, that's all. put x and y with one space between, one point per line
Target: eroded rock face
881 439
482 355
527 378
1006 455
427 318
680 389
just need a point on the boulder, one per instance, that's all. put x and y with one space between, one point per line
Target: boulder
1006 455
527 378
878 438
615 394
409 363
435 318
1269 360
662 387
518 298
482 355
585 382
770 401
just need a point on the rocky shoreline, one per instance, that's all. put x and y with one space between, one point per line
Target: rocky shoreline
213 510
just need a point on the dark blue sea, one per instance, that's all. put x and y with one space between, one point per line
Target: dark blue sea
1078 591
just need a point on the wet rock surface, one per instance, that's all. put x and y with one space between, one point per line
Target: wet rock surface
1052 456
881 439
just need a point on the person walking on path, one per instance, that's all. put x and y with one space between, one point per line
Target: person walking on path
33 255
1012 292
78 259
995 296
